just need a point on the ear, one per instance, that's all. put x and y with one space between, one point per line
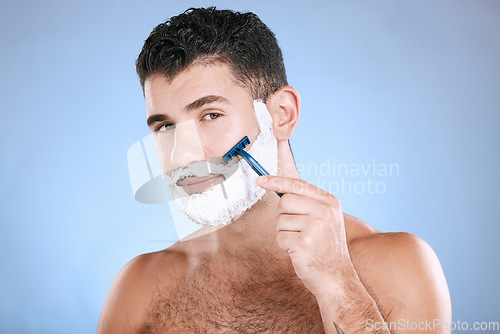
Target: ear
284 106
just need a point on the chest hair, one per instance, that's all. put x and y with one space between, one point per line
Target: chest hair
256 299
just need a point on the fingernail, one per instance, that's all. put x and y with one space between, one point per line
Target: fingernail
263 179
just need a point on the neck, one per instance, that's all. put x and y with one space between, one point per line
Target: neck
254 230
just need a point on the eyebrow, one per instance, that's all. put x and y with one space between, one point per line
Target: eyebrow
207 99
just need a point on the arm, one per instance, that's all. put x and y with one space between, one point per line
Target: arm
409 282
310 228
350 307
120 313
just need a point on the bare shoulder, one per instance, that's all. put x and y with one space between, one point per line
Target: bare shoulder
130 294
357 228
401 271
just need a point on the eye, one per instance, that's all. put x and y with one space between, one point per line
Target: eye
211 116
165 127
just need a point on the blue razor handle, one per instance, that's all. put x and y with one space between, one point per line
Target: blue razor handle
255 165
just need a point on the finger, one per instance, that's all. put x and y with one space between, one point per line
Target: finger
291 223
292 186
288 240
295 204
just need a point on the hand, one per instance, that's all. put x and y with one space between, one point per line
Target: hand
310 227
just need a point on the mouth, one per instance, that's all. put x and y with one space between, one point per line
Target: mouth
193 184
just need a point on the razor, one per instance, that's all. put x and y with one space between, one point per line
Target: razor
239 149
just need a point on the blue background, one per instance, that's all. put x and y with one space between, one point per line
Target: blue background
411 83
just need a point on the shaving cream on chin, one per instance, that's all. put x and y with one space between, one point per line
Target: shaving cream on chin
239 192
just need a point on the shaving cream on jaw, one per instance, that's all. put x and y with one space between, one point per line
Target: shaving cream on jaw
239 191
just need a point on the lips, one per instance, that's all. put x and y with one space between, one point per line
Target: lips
194 184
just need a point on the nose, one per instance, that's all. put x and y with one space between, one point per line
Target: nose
187 147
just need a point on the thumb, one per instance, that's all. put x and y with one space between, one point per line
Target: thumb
286 164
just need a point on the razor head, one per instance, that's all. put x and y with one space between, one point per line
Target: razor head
232 153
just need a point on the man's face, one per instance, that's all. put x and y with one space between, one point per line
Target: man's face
200 115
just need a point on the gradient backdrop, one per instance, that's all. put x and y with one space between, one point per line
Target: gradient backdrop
412 83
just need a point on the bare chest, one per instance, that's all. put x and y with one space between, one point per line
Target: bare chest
258 303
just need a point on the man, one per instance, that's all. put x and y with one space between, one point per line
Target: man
265 263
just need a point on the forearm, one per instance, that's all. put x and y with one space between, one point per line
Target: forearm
348 308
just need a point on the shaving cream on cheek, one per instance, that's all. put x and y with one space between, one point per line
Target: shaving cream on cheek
239 192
